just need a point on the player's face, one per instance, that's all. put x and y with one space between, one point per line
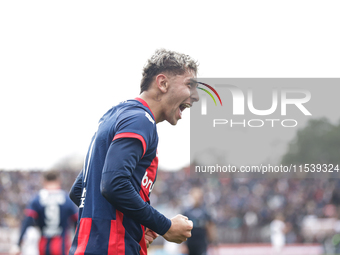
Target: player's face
182 94
197 196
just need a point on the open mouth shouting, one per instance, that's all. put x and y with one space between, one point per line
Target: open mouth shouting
182 108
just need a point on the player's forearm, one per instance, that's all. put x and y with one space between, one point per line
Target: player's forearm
211 231
121 194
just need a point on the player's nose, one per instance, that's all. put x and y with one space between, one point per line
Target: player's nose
194 97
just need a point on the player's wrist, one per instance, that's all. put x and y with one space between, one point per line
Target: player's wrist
167 227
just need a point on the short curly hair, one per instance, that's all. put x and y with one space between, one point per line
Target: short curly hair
166 61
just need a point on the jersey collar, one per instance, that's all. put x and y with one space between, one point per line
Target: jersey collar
146 105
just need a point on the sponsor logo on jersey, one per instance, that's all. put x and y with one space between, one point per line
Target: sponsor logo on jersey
147 182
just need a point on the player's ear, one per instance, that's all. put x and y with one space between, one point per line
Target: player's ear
162 83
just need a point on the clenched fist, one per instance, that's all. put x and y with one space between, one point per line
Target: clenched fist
180 229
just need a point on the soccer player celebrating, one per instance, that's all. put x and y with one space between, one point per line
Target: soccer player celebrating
54 213
120 168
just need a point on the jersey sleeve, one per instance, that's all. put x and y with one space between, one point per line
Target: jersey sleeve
121 160
138 124
75 192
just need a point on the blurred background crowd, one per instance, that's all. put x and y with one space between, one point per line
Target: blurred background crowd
241 208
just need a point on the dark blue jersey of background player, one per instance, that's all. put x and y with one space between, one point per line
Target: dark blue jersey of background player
113 189
203 230
55 215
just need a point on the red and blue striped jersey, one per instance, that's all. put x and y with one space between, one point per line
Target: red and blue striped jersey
113 188
55 214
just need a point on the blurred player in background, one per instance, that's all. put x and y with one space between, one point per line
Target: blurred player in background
204 230
278 230
54 214
113 189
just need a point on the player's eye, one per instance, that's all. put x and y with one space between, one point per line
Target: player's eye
193 83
